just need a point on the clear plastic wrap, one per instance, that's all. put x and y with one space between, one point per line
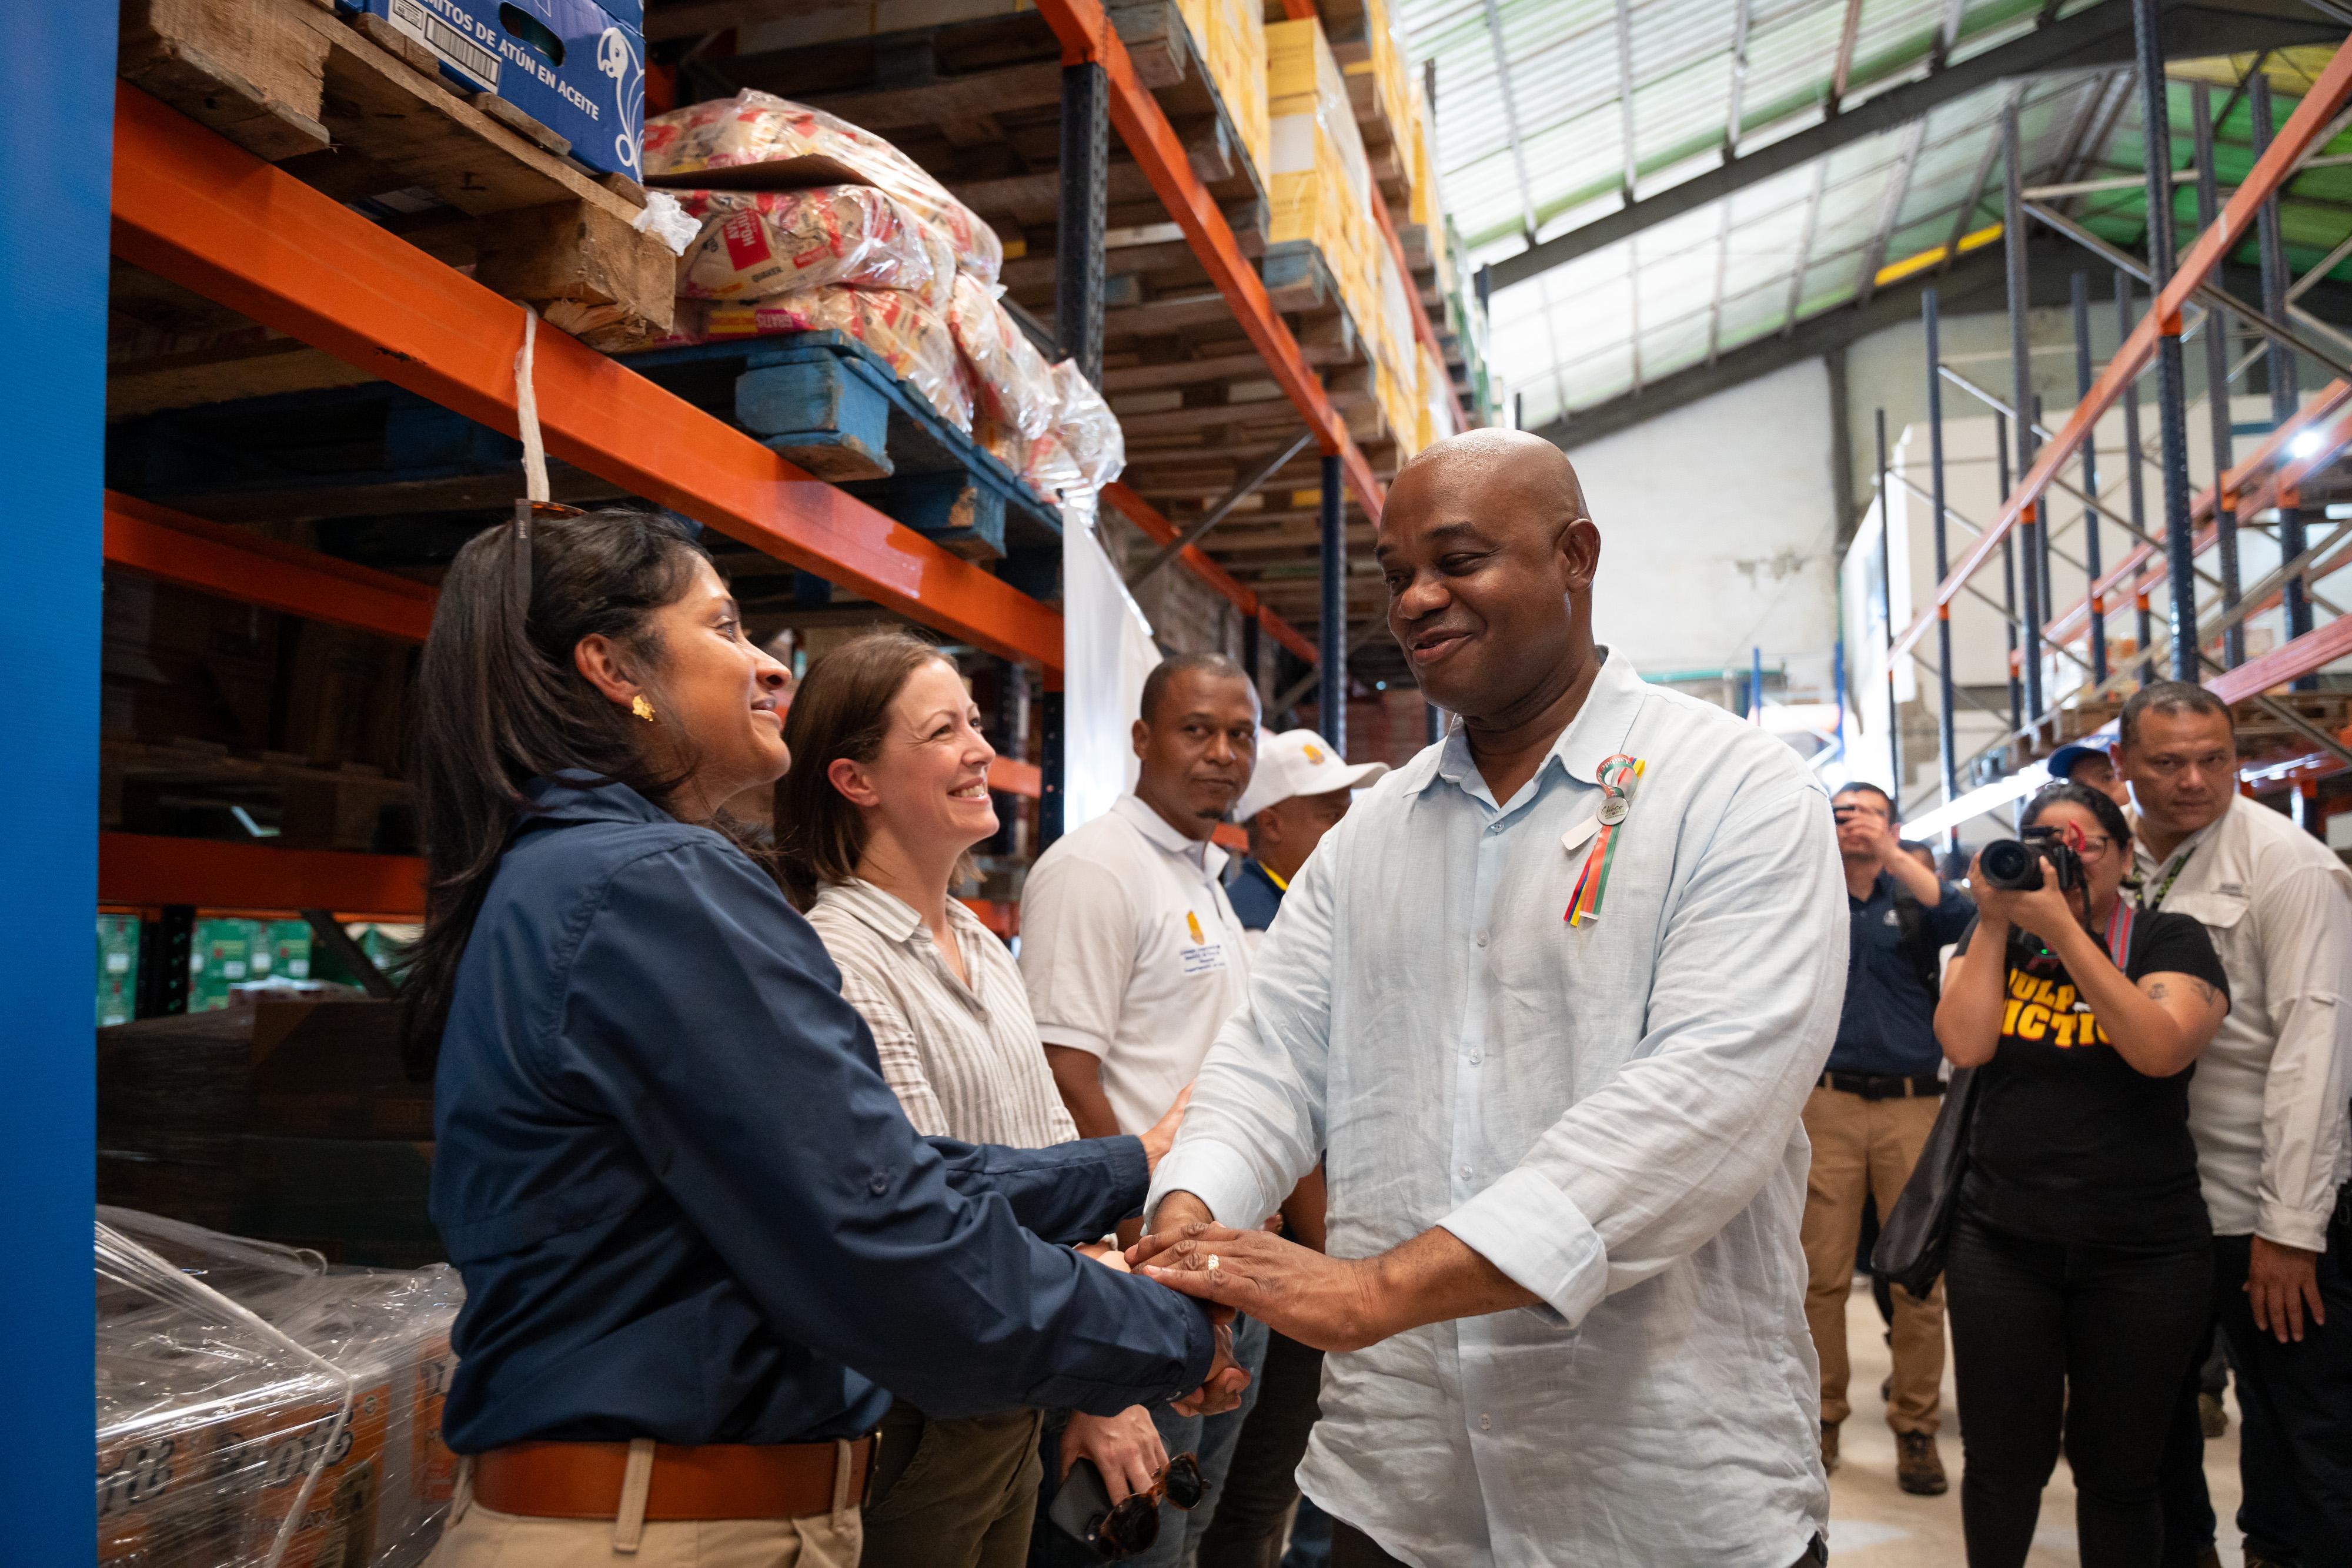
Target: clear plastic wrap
914 342
1016 387
757 244
756 141
258 1409
1087 427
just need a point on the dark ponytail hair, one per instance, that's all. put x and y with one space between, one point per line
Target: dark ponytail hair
499 703
842 709
2110 815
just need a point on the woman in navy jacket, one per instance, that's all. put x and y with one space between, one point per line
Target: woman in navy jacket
701 1245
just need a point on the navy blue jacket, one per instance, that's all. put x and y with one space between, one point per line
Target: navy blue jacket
1888 1024
1253 895
686 1204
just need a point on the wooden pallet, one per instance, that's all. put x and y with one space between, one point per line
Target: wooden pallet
832 406
369 117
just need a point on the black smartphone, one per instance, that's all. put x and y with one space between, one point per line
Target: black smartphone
1082 1503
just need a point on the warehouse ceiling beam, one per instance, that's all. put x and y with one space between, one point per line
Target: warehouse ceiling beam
1087 35
185 202
2303 134
2101 35
237 564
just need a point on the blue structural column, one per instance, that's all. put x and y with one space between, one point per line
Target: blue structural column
2021 378
2285 399
2098 629
2217 387
1886 597
57 71
1948 750
2135 485
2171 386
1077 328
1332 636
2008 576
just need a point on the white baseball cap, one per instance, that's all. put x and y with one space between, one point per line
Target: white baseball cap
1298 762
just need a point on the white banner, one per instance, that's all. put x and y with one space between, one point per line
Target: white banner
1107 651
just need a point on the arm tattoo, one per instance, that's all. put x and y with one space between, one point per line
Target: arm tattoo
2159 991
2208 992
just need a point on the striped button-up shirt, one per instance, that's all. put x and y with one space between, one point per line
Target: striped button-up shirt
964 1059
1608 1111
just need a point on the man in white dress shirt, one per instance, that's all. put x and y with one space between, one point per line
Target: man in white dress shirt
1564 1155
2268 1109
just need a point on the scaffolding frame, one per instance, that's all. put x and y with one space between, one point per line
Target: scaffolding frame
2308 435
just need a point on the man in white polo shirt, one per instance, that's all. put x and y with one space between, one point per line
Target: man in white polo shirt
1133 959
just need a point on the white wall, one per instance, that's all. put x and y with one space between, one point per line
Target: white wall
1717 531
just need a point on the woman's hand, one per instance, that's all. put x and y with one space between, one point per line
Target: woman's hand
1162 1134
1125 1447
1106 1253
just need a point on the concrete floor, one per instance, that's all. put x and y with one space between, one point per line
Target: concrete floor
1875 1525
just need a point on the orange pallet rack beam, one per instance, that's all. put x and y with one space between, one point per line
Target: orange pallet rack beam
147 869
194 208
1160 530
1087 37
2304 128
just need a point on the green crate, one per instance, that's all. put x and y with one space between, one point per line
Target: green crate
118 970
221 955
282 951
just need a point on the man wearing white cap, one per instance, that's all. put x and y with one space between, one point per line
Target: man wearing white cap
1299 792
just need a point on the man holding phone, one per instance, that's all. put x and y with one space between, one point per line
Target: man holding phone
1870 1115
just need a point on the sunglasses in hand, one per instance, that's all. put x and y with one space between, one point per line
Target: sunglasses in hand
1133 1525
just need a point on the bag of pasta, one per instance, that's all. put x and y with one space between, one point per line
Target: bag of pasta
913 341
756 244
756 141
1087 426
1015 384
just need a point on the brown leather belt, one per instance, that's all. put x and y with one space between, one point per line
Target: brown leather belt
710 1481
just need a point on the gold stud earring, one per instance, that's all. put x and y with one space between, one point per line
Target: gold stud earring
642 708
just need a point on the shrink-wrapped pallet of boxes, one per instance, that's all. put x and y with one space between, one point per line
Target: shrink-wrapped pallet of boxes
1318 182
1229 36
1392 85
257 1406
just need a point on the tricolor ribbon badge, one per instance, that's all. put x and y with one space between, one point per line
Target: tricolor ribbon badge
1618 777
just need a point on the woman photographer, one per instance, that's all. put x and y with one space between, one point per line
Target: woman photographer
2078 1276
698 1235
877 819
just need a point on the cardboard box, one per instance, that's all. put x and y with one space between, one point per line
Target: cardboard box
576 66
220 956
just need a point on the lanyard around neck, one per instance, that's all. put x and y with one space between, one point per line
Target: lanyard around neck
2153 898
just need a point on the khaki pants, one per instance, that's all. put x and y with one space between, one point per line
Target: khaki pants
1867 1146
477 1537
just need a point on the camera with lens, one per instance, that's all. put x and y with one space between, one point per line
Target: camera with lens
2017 863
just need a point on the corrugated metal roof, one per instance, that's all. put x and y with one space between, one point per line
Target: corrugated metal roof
1809 240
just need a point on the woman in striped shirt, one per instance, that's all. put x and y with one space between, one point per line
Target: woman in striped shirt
876 821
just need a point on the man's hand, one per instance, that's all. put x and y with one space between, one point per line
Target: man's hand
1125 1447
1161 1134
1178 1209
1221 1390
1327 1302
2281 1281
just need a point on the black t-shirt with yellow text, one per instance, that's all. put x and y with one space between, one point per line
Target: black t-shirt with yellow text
2069 1142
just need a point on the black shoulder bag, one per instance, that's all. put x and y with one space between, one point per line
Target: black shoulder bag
1912 1241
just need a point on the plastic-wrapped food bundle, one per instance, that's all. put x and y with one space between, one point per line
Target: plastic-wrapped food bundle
1016 386
912 341
258 1409
756 141
756 244
1087 427
1048 468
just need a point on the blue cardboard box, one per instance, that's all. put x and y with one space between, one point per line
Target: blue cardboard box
576 66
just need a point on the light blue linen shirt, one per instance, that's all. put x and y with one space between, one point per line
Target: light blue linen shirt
1609 1112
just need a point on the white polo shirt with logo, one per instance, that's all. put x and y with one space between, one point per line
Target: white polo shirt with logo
1132 954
